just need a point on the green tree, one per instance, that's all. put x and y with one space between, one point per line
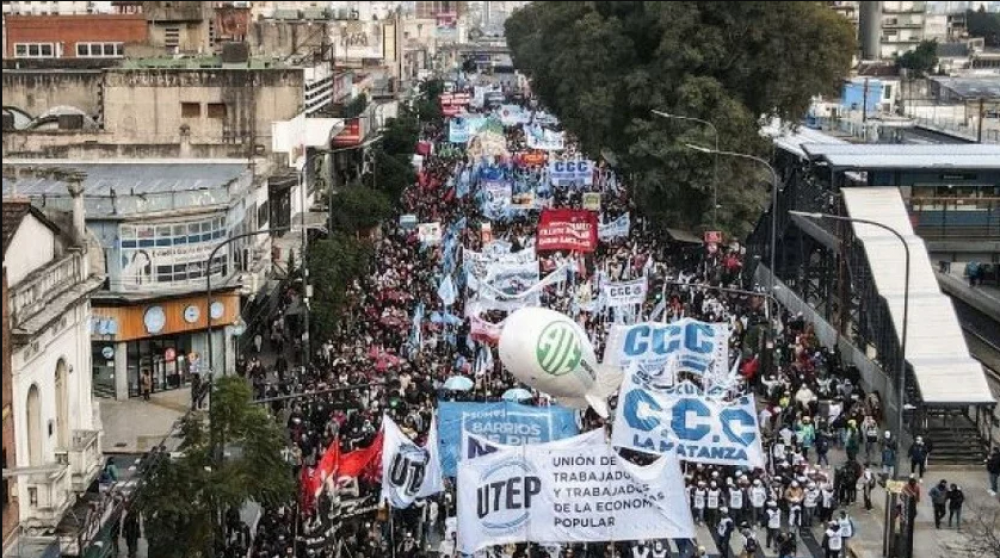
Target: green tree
921 60
337 261
601 67
357 208
984 24
395 173
182 496
356 107
428 104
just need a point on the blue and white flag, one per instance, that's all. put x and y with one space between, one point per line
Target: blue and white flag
618 228
447 291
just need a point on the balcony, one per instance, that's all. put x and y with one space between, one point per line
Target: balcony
84 458
40 287
904 7
49 495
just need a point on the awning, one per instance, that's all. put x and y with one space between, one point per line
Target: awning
683 236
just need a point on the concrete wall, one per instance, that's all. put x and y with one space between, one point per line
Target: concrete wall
32 246
87 145
146 105
35 91
10 511
282 38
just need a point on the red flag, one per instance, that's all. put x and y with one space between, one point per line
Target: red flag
327 466
310 484
356 463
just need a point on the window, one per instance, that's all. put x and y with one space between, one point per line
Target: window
100 50
216 110
34 50
170 253
190 110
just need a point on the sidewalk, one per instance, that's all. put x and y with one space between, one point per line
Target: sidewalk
136 426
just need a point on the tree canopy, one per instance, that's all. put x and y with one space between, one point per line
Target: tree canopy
984 24
921 60
601 67
182 494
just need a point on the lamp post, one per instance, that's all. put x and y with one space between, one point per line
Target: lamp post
715 180
901 384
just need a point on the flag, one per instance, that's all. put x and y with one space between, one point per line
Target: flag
326 469
358 462
408 470
310 486
447 291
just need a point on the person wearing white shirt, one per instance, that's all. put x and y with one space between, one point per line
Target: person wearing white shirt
713 501
832 541
700 496
809 503
773 522
640 550
846 525
758 497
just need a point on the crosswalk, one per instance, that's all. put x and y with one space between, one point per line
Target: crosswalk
808 546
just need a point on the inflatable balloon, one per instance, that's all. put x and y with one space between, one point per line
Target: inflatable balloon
551 353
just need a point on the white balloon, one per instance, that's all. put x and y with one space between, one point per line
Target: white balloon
551 353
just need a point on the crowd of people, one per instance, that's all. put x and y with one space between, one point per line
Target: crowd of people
402 343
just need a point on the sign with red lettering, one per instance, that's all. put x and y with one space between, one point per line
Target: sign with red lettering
567 229
713 237
350 135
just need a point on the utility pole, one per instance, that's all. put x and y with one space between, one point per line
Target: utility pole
864 103
982 116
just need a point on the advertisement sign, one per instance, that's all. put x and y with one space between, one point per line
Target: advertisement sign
567 229
592 202
690 426
503 422
618 228
626 293
581 493
167 253
696 346
408 470
566 173
429 233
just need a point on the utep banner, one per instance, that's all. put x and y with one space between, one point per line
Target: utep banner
616 229
692 427
581 493
503 422
625 293
564 173
696 346
567 229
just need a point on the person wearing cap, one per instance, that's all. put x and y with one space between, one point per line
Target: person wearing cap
758 498
773 522
810 499
939 497
714 502
700 495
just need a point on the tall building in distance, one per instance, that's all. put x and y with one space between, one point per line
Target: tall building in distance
496 13
431 10
886 29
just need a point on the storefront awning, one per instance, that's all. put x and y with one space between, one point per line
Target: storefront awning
683 236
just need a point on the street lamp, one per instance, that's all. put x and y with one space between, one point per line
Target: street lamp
715 180
901 384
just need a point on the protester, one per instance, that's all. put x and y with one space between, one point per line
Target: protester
993 469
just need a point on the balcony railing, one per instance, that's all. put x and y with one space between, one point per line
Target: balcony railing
40 287
84 457
49 495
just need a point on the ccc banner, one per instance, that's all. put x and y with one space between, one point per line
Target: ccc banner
565 173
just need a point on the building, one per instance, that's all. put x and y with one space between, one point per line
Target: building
180 27
433 10
51 277
48 8
157 223
10 511
73 36
886 29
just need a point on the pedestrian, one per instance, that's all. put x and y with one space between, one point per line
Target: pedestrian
132 532
867 485
939 498
832 542
845 526
888 455
993 468
773 523
146 385
758 497
809 503
918 457
724 530
956 498
750 544
787 545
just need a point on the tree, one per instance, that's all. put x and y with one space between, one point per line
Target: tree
984 24
356 107
982 529
921 60
358 208
601 67
183 496
337 261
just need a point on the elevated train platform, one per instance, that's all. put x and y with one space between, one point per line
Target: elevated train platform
849 279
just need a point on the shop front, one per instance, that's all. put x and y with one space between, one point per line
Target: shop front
167 338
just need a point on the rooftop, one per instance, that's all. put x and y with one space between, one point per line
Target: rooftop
971 87
905 156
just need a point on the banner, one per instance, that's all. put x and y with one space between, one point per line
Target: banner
503 422
592 202
625 293
697 346
429 233
486 332
567 229
692 426
513 115
505 286
532 159
474 446
477 264
566 173
582 493
537 137
618 228
408 222
459 130
408 470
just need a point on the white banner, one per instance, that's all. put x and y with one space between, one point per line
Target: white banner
578 172
492 298
581 493
408 470
429 233
618 228
540 138
696 346
477 264
687 424
625 293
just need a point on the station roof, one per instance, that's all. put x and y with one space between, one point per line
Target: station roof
906 156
